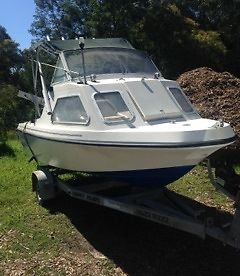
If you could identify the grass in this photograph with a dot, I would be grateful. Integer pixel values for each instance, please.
(196, 185)
(25, 228)
(77, 238)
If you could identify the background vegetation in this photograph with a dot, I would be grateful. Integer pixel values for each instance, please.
(180, 35)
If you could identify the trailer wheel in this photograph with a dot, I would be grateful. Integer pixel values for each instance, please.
(44, 187)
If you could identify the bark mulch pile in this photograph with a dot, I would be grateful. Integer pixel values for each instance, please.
(215, 95)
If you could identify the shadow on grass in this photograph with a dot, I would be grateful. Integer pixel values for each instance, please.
(6, 150)
(142, 247)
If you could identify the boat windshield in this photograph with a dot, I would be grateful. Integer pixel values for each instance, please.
(110, 61)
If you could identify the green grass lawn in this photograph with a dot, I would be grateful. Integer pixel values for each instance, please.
(71, 240)
(26, 230)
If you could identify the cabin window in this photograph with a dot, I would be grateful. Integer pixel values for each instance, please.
(112, 107)
(110, 61)
(181, 99)
(59, 73)
(70, 110)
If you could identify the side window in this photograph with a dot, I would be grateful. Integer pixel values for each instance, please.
(70, 110)
(59, 74)
(181, 99)
(112, 107)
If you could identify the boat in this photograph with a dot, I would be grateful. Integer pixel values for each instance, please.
(109, 111)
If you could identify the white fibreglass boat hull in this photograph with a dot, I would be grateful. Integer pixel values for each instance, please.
(103, 158)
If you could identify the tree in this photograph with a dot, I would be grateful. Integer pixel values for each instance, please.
(59, 18)
(223, 17)
(10, 57)
(167, 29)
(8, 105)
(159, 27)
(10, 67)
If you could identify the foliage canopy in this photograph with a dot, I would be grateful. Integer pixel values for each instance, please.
(180, 35)
(11, 78)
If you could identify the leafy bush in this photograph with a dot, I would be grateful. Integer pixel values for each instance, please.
(8, 109)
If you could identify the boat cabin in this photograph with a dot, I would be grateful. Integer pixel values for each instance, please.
(108, 81)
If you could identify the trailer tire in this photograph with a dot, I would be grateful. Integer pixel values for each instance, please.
(44, 186)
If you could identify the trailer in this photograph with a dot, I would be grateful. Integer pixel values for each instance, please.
(159, 205)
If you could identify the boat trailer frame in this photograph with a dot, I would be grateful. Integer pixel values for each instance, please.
(159, 205)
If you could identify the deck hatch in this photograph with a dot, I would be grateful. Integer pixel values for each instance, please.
(112, 106)
(152, 100)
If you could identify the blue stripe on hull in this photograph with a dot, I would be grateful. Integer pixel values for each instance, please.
(149, 178)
